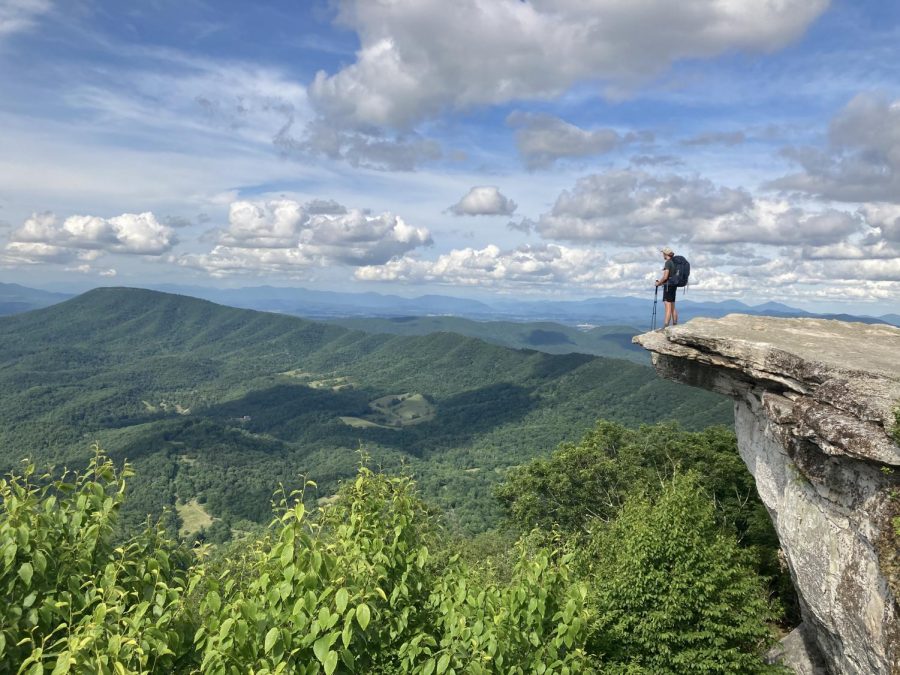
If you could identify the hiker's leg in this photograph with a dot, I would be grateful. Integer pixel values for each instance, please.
(674, 314)
(668, 312)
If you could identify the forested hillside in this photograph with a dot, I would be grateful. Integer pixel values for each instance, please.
(215, 406)
(545, 336)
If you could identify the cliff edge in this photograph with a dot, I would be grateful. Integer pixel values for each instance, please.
(814, 408)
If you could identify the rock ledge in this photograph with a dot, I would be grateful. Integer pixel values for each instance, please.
(814, 403)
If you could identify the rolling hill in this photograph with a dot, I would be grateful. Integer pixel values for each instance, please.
(216, 406)
(553, 338)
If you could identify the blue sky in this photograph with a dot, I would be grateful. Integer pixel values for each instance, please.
(482, 147)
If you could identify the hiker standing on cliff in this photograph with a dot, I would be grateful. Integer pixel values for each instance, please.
(668, 287)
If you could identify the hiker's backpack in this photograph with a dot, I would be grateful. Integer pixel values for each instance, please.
(682, 271)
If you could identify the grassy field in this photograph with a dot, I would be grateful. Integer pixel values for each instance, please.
(395, 411)
(193, 517)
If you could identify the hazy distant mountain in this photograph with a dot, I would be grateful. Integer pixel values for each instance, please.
(15, 299)
(604, 311)
(324, 304)
(891, 318)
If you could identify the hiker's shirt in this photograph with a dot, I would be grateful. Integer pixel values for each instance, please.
(670, 267)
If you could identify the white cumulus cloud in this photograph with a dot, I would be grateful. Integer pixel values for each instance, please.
(629, 206)
(285, 236)
(44, 237)
(484, 200)
(491, 266)
(418, 58)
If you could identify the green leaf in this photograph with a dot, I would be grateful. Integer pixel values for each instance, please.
(330, 662)
(213, 601)
(63, 663)
(26, 571)
(320, 648)
(347, 634)
(287, 554)
(363, 614)
(443, 663)
(341, 599)
(271, 639)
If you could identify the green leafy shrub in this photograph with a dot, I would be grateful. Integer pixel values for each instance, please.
(72, 597)
(673, 592)
(349, 587)
(356, 589)
(589, 480)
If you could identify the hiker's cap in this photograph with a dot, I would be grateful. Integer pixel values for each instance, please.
(666, 251)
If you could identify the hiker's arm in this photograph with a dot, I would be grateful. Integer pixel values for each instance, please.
(664, 278)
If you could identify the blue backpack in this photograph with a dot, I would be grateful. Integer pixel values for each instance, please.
(682, 271)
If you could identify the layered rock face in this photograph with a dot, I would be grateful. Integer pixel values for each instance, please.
(814, 409)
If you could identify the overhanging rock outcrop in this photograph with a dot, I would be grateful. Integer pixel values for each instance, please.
(814, 409)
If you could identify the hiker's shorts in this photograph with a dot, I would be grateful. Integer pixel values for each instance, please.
(669, 293)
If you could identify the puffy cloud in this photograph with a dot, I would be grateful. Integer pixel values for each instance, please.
(839, 273)
(862, 161)
(287, 237)
(359, 239)
(778, 223)
(20, 15)
(846, 250)
(635, 207)
(885, 217)
(225, 261)
(43, 238)
(273, 224)
(484, 200)
(722, 271)
(420, 57)
(544, 265)
(869, 270)
(33, 253)
(544, 139)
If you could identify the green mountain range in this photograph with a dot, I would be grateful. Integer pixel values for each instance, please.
(545, 336)
(216, 406)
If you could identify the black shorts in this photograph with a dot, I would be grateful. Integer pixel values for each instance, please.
(669, 293)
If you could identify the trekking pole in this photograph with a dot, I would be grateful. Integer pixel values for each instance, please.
(653, 320)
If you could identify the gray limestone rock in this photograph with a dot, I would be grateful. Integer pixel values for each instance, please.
(814, 402)
(798, 652)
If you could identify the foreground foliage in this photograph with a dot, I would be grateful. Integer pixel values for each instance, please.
(591, 480)
(368, 584)
(673, 591)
